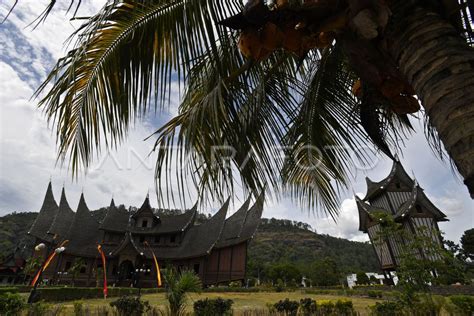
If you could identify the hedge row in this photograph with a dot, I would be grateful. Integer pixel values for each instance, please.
(78, 293)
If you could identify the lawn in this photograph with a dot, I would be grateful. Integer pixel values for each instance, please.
(242, 301)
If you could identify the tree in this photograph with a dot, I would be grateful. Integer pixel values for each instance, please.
(286, 272)
(177, 285)
(291, 91)
(362, 279)
(325, 272)
(32, 266)
(467, 242)
(75, 269)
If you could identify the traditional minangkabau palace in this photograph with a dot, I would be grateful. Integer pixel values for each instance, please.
(215, 249)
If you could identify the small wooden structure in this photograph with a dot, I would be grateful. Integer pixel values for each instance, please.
(401, 197)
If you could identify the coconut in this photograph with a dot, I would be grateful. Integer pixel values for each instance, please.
(392, 87)
(402, 104)
(357, 88)
(249, 44)
(271, 37)
(293, 40)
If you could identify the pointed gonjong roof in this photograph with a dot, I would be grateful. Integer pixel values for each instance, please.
(116, 219)
(418, 197)
(45, 217)
(84, 233)
(397, 174)
(63, 219)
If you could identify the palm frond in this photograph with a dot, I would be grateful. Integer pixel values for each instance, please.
(124, 59)
(229, 122)
(324, 134)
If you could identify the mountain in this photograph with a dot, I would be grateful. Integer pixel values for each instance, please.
(276, 241)
(285, 241)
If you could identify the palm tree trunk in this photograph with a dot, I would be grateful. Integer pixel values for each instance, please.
(439, 64)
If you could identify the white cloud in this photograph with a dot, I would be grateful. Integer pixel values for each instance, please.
(28, 151)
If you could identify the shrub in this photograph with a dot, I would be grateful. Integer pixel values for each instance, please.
(78, 308)
(375, 294)
(386, 308)
(308, 306)
(326, 308)
(464, 304)
(234, 284)
(279, 286)
(344, 308)
(4, 290)
(39, 309)
(130, 306)
(286, 306)
(211, 307)
(11, 304)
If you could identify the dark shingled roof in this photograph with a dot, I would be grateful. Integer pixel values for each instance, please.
(116, 219)
(253, 218)
(164, 224)
(84, 233)
(63, 219)
(364, 213)
(233, 226)
(418, 197)
(45, 217)
(198, 241)
(397, 173)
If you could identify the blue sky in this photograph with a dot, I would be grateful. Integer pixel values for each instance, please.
(28, 150)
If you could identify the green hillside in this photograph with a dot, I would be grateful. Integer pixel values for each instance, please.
(280, 242)
(276, 242)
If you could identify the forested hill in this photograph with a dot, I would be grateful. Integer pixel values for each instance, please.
(276, 241)
(284, 241)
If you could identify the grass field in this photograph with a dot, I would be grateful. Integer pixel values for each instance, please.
(242, 301)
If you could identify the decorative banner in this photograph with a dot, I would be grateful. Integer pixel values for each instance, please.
(157, 267)
(46, 263)
(99, 248)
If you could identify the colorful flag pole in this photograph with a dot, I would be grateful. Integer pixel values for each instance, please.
(157, 267)
(46, 263)
(99, 248)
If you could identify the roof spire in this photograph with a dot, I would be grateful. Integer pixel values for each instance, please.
(82, 206)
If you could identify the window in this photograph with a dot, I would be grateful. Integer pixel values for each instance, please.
(142, 239)
(67, 266)
(157, 239)
(144, 223)
(398, 185)
(173, 238)
(83, 269)
(196, 268)
(418, 209)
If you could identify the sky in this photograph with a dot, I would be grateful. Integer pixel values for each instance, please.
(28, 148)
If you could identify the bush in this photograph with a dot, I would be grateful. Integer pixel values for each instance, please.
(4, 290)
(464, 304)
(130, 306)
(279, 286)
(78, 308)
(211, 307)
(11, 304)
(39, 309)
(326, 308)
(308, 306)
(386, 308)
(286, 306)
(375, 294)
(59, 294)
(344, 308)
(234, 284)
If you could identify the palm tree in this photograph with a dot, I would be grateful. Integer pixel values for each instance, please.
(177, 286)
(75, 269)
(286, 106)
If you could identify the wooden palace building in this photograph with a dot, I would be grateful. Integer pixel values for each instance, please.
(216, 249)
(403, 199)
